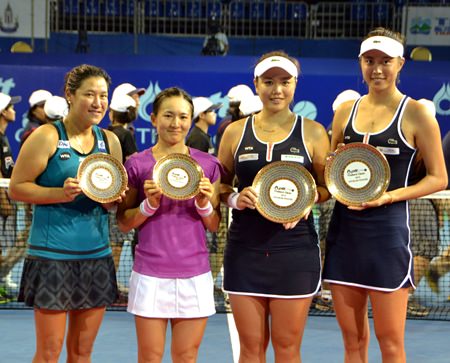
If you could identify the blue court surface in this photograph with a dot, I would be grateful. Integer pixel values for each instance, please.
(427, 341)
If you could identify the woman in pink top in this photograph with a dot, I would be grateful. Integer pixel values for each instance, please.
(171, 278)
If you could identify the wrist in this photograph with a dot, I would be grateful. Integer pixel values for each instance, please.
(232, 200)
(204, 211)
(146, 209)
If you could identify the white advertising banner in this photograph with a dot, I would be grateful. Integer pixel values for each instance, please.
(427, 25)
(23, 18)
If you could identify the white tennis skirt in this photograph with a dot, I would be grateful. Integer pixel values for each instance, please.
(154, 297)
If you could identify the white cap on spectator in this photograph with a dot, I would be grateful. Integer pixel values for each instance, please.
(250, 105)
(239, 92)
(128, 89)
(56, 107)
(6, 100)
(345, 96)
(429, 105)
(203, 104)
(121, 102)
(39, 97)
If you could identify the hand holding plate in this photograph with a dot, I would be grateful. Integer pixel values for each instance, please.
(153, 193)
(71, 188)
(385, 199)
(206, 191)
(248, 198)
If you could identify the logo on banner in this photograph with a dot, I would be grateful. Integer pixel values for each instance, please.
(306, 109)
(442, 100)
(420, 25)
(8, 24)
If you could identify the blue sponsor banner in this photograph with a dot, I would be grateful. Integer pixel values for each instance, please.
(319, 83)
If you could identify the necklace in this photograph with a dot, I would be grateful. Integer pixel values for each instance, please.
(79, 144)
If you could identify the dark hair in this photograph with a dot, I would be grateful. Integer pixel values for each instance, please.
(280, 53)
(168, 93)
(75, 77)
(385, 32)
(234, 111)
(125, 117)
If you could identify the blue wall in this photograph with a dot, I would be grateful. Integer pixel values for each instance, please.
(320, 82)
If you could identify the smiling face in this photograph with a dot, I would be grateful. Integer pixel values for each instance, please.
(379, 70)
(90, 101)
(276, 88)
(172, 120)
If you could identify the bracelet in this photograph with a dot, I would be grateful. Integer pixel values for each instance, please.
(232, 200)
(146, 209)
(205, 211)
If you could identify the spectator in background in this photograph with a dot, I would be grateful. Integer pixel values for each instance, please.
(136, 93)
(235, 95)
(250, 106)
(122, 113)
(36, 115)
(440, 265)
(68, 275)
(8, 259)
(204, 116)
(56, 108)
(216, 42)
(424, 227)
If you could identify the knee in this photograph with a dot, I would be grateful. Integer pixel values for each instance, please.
(52, 349)
(253, 346)
(81, 349)
(355, 341)
(391, 344)
(188, 355)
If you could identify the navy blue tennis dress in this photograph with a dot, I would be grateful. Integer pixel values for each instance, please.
(261, 257)
(371, 248)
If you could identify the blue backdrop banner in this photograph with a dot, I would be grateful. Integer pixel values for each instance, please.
(319, 83)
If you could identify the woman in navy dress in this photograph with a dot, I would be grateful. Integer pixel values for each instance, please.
(271, 270)
(368, 253)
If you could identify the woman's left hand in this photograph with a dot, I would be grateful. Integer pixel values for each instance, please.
(385, 199)
(206, 192)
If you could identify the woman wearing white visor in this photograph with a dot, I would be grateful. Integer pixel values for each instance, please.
(271, 270)
(368, 253)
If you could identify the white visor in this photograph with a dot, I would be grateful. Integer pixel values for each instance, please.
(387, 45)
(276, 62)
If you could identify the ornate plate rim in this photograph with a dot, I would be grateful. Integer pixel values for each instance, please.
(92, 158)
(329, 164)
(178, 156)
(303, 171)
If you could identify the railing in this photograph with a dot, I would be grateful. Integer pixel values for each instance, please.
(239, 18)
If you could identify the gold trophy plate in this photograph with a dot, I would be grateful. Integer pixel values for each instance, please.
(178, 175)
(286, 191)
(102, 177)
(357, 173)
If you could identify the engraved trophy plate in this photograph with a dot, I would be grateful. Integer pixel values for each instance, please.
(178, 175)
(286, 191)
(358, 173)
(102, 177)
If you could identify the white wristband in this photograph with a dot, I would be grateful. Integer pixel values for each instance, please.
(146, 209)
(232, 200)
(205, 211)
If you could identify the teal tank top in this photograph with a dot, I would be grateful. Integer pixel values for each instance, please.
(75, 230)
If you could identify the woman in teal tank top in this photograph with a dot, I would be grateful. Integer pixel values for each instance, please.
(68, 272)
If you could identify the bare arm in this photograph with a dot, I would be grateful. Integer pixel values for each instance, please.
(228, 145)
(318, 146)
(31, 162)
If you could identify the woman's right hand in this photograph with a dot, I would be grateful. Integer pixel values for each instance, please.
(247, 198)
(153, 193)
(71, 189)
